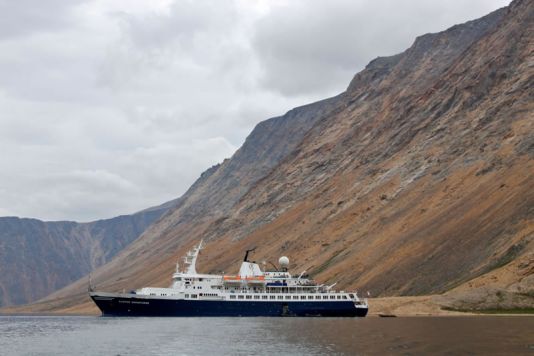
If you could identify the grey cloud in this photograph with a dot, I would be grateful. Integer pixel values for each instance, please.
(51, 67)
(184, 22)
(23, 17)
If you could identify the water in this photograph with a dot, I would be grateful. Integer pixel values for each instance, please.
(487, 335)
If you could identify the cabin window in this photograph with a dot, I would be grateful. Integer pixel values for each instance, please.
(272, 297)
(351, 296)
(317, 297)
(263, 297)
(344, 297)
(325, 297)
(193, 295)
(249, 297)
(178, 278)
(295, 297)
(256, 297)
(338, 297)
(332, 297)
(310, 297)
(232, 297)
(187, 295)
(288, 297)
(302, 297)
(240, 297)
(280, 297)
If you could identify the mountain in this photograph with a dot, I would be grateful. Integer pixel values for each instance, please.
(38, 257)
(417, 180)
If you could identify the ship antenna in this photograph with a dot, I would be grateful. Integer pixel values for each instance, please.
(89, 286)
(246, 254)
(272, 264)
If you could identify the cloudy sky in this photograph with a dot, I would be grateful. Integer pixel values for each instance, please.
(111, 106)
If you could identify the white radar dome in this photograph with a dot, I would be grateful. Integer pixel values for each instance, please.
(283, 261)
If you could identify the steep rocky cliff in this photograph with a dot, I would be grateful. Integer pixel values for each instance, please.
(416, 180)
(38, 257)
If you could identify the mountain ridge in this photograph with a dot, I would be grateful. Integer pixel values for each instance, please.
(39, 257)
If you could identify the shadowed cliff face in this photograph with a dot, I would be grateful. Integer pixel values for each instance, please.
(415, 180)
(38, 258)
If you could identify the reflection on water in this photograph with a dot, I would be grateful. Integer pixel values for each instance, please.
(24, 335)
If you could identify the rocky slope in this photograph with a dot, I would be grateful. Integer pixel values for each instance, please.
(416, 180)
(38, 257)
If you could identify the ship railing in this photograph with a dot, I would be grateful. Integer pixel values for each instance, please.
(281, 290)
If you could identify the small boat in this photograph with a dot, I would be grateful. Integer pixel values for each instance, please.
(385, 315)
(252, 292)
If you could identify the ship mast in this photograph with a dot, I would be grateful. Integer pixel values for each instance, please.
(190, 259)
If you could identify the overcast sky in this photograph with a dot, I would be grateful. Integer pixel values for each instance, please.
(111, 106)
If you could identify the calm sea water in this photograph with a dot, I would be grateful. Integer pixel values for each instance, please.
(485, 335)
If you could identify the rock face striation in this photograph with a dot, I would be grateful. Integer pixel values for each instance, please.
(416, 180)
(38, 257)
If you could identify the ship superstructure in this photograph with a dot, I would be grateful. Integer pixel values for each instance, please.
(251, 292)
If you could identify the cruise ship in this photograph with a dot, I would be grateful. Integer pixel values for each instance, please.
(252, 292)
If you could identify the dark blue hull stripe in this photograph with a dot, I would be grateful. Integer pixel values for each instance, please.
(122, 306)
